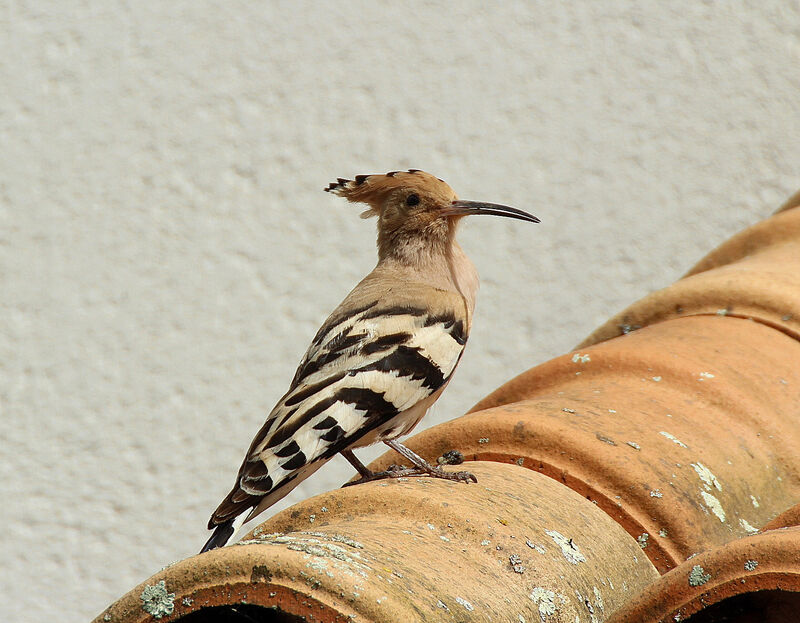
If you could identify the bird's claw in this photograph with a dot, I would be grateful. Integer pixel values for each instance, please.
(463, 476)
(455, 476)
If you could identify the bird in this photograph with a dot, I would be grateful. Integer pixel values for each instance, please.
(382, 357)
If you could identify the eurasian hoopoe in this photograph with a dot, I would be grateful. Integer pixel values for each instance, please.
(383, 356)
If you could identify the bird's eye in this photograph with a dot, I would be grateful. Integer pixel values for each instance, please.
(412, 199)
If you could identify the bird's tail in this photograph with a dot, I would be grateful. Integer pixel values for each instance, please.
(223, 533)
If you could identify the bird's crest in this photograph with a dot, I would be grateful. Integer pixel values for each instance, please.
(373, 189)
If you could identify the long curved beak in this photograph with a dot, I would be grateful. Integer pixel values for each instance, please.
(465, 208)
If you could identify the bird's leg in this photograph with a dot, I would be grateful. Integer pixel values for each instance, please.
(360, 467)
(367, 475)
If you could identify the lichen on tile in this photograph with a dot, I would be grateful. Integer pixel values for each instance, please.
(673, 439)
(708, 478)
(598, 598)
(568, 548)
(545, 599)
(713, 505)
(535, 546)
(156, 601)
(698, 576)
(516, 563)
(465, 604)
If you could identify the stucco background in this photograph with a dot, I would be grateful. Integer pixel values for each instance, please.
(167, 252)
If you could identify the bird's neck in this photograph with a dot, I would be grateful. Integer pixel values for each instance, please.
(437, 261)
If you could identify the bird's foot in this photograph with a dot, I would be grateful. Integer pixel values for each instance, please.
(437, 472)
(421, 467)
(397, 471)
(430, 471)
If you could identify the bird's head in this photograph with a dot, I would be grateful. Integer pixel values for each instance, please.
(414, 203)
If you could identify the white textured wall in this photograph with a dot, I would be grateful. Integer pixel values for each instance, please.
(167, 252)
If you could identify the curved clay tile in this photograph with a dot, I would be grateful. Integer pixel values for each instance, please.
(674, 440)
(516, 546)
(753, 579)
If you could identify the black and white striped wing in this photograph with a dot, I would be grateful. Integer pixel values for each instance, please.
(360, 372)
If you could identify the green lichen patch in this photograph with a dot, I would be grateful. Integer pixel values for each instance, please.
(156, 601)
(698, 576)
